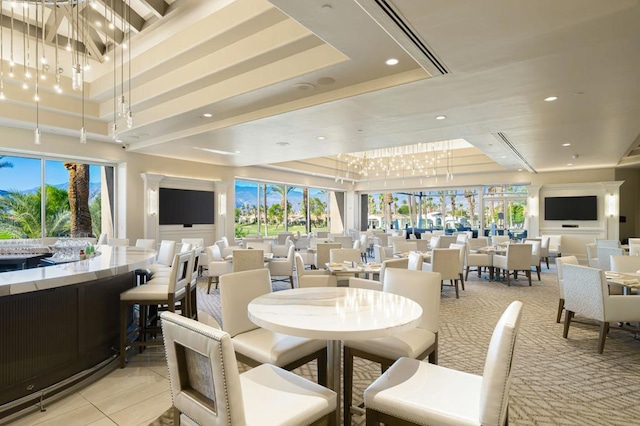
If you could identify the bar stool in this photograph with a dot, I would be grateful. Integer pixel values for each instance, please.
(158, 291)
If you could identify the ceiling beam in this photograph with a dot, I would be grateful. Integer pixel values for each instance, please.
(94, 44)
(52, 26)
(158, 7)
(125, 13)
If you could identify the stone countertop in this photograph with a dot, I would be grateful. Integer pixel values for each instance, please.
(112, 261)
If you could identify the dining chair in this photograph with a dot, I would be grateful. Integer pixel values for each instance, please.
(404, 246)
(381, 253)
(118, 242)
(415, 261)
(535, 253)
(344, 255)
(217, 266)
(164, 257)
(447, 263)
(413, 392)
(323, 251)
(364, 247)
(544, 249)
(283, 267)
(195, 242)
(462, 250)
(146, 244)
(247, 259)
(282, 237)
(282, 250)
(560, 262)
(634, 249)
(207, 388)
(592, 255)
(517, 258)
(265, 246)
(157, 291)
(102, 239)
(255, 345)
(586, 293)
(344, 241)
(604, 256)
(623, 263)
(555, 245)
(420, 342)
(478, 260)
(376, 284)
(312, 278)
(607, 243)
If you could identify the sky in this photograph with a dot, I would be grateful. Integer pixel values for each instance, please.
(25, 173)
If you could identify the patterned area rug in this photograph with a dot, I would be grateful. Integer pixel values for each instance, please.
(556, 381)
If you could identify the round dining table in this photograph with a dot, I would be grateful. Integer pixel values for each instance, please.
(335, 314)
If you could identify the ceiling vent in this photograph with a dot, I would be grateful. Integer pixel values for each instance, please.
(502, 138)
(391, 20)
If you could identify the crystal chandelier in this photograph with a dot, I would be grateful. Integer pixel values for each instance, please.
(73, 32)
(419, 160)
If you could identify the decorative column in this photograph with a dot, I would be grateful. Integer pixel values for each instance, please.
(150, 204)
(612, 209)
(532, 219)
(225, 226)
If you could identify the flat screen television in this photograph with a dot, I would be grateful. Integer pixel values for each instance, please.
(185, 207)
(571, 208)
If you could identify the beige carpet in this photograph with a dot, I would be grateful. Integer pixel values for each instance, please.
(556, 381)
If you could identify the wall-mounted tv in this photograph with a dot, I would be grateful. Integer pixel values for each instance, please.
(185, 207)
(571, 208)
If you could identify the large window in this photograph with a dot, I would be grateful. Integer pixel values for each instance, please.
(70, 192)
(267, 209)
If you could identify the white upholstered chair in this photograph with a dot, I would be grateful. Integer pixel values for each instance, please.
(560, 262)
(607, 243)
(478, 260)
(207, 388)
(344, 255)
(323, 251)
(217, 266)
(447, 263)
(114, 242)
(265, 246)
(158, 291)
(381, 253)
(592, 255)
(344, 241)
(634, 249)
(544, 249)
(282, 250)
(195, 242)
(499, 239)
(462, 250)
(284, 267)
(536, 257)
(604, 256)
(413, 392)
(586, 293)
(164, 257)
(420, 342)
(517, 258)
(247, 259)
(404, 246)
(102, 239)
(372, 284)
(622, 263)
(364, 247)
(146, 244)
(415, 261)
(255, 345)
(313, 278)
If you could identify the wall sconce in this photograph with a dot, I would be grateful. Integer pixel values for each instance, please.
(222, 209)
(612, 207)
(152, 202)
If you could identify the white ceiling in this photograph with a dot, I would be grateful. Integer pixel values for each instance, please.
(291, 71)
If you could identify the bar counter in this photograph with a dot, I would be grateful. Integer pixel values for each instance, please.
(59, 323)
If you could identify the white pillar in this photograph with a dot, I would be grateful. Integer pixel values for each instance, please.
(151, 196)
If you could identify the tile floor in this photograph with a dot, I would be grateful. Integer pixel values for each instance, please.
(135, 395)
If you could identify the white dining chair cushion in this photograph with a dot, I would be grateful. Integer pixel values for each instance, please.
(408, 344)
(299, 401)
(149, 292)
(266, 346)
(428, 394)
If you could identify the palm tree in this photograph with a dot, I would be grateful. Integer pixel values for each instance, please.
(79, 199)
(20, 217)
(5, 164)
(280, 190)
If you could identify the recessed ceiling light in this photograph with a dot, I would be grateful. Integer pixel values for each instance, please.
(392, 61)
(215, 151)
(566, 144)
(441, 117)
(321, 138)
(504, 156)
(207, 115)
(550, 98)
(519, 170)
(569, 164)
(283, 143)
(237, 152)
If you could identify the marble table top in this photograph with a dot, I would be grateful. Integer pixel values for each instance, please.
(335, 313)
(111, 262)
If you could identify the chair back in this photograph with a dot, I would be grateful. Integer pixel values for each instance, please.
(634, 249)
(434, 242)
(102, 239)
(214, 254)
(461, 238)
(592, 255)
(195, 242)
(519, 256)
(224, 241)
(203, 371)
(425, 235)
(184, 247)
(146, 244)
(414, 261)
(364, 243)
(265, 246)
(422, 245)
(463, 252)
(560, 262)
(496, 378)
(421, 287)
(166, 252)
(118, 242)
(237, 290)
(282, 237)
(181, 271)
(634, 241)
(382, 239)
(446, 240)
(584, 290)
(344, 255)
(356, 245)
(247, 259)
(446, 262)
(535, 250)
(379, 255)
(544, 246)
(345, 242)
(404, 246)
(391, 264)
(323, 253)
(322, 234)
(497, 239)
(604, 256)
(478, 242)
(299, 261)
(607, 243)
(625, 263)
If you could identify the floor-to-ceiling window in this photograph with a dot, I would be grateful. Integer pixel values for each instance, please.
(52, 198)
(504, 209)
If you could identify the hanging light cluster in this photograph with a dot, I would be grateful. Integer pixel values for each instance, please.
(423, 159)
(29, 20)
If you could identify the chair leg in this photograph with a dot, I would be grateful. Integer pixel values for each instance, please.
(347, 384)
(567, 322)
(462, 280)
(123, 332)
(291, 280)
(560, 308)
(322, 368)
(373, 418)
(467, 274)
(508, 274)
(546, 259)
(604, 329)
(209, 279)
(529, 276)
(538, 271)
(455, 283)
